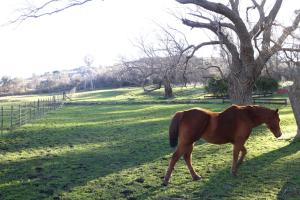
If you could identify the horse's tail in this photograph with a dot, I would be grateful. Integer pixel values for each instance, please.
(174, 128)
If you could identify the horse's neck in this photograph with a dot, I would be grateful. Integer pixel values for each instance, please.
(259, 115)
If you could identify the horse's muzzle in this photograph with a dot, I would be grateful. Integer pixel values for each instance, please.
(278, 134)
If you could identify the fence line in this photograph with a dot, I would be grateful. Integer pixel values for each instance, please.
(16, 115)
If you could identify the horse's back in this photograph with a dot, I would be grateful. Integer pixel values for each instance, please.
(214, 127)
(234, 123)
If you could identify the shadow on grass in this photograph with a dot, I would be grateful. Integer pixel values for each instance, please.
(76, 125)
(47, 158)
(128, 142)
(73, 125)
(48, 175)
(260, 177)
(256, 176)
(291, 188)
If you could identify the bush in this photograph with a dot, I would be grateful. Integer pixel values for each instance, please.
(217, 86)
(266, 84)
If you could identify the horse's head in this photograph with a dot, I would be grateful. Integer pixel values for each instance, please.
(273, 123)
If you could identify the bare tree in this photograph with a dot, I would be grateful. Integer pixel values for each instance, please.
(45, 7)
(142, 72)
(160, 61)
(250, 45)
(291, 58)
(5, 84)
(90, 74)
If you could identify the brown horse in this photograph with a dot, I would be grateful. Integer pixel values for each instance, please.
(233, 125)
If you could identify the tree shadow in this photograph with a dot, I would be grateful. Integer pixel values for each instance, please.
(255, 176)
(48, 158)
(291, 187)
(71, 126)
(50, 174)
(74, 125)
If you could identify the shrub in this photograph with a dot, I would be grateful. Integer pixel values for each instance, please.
(266, 84)
(217, 86)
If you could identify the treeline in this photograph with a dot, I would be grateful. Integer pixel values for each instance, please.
(57, 81)
(148, 73)
(145, 72)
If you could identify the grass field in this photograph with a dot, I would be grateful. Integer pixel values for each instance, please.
(122, 151)
(8, 100)
(137, 94)
(134, 94)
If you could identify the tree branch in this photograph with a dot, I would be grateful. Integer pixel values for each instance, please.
(195, 48)
(258, 27)
(235, 6)
(267, 26)
(216, 67)
(40, 11)
(225, 11)
(285, 33)
(215, 29)
(290, 49)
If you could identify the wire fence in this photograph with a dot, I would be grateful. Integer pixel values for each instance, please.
(16, 115)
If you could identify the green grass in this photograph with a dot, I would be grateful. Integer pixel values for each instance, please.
(24, 107)
(122, 152)
(137, 94)
(9, 100)
(134, 94)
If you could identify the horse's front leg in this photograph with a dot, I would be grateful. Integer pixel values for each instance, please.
(236, 150)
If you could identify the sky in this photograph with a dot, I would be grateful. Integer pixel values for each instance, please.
(104, 30)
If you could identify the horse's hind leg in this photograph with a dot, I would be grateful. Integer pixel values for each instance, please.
(176, 155)
(235, 161)
(188, 160)
(236, 152)
(244, 152)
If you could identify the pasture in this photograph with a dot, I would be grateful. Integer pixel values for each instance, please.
(133, 94)
(122, 152)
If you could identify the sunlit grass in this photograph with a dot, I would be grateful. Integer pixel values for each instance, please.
(16, 99)
(137, 94)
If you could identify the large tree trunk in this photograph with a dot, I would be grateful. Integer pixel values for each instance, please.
(294, 95)
(240, 89)
(168, 87)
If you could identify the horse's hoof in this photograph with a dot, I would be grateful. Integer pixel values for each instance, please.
(239, 163)
(234, 174)
(197, 177)
(165, 183)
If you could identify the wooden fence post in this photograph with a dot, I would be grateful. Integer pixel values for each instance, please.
(34, 109)
(20, 116)
(30, 114)
(24, 113)
(43, 107)
(38, 108)
(2, 115)
(11, 116)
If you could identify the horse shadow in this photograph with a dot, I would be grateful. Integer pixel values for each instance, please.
(257, 173)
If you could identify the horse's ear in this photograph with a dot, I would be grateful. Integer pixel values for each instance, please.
(276, 110)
